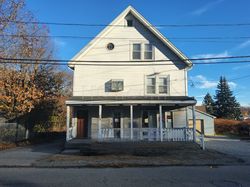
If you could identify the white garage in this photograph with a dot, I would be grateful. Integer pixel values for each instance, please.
(204, 121)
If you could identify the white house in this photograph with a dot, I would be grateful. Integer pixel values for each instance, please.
(130, 83)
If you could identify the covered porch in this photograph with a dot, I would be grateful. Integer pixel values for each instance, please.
(146, 118)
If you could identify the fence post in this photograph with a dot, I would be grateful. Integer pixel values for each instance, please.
(16, 135)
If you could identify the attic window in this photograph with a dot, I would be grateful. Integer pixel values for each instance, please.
(130, 23)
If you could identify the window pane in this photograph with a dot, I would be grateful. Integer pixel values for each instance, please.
(148, 47)
(150, 89)
(151, 85)
(163, 81)
(136, 47)
(148, 55)
(151, 81)
(136, 55)
(163, 85)
(163, 89)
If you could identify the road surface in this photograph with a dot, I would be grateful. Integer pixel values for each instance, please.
(159, 176)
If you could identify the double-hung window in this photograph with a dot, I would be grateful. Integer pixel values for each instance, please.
(142, 51)
(148, 51)
(136, 51)
(157, 84)
(163, 85)
(151, 85)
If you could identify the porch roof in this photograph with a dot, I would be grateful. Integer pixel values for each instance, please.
(177, 101)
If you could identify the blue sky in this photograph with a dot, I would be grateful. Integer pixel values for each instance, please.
(204, 77)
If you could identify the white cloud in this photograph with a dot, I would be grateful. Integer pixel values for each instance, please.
(202, 82)
(240, 67)
(212, 55)
(205, 8)
(242, 45)
(59, 43)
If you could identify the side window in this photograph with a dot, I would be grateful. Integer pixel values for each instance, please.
(148, 51)
(151, 83)
(163, 85)
(136, 51)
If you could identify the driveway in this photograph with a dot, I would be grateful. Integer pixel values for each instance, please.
(234, 147)
(26, 156)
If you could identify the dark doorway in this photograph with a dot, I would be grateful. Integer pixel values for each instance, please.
(117, 124)
(82, 124)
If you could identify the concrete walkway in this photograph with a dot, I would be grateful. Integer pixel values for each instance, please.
(234, 147)
(26, 156)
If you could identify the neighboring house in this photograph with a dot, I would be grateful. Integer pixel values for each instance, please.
(130, 84)
(204, 121)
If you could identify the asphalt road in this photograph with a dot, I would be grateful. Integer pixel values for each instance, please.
(162, 176)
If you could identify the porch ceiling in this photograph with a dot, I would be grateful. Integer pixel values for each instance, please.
(172, 101)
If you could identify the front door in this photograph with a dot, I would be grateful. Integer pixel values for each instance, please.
(82, 124)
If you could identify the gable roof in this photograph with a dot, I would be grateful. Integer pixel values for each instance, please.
(202, 112)
(142, 20)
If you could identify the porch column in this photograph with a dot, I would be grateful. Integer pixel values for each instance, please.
(161, 130)
(100, 122)
(194, 124)
(131, 122)
(67, 122)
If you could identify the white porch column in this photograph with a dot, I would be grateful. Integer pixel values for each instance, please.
(100, 122)
(68, 122)
(131, 122)
(194, 124)
(161, 130)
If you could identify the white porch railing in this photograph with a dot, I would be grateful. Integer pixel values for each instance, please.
(200, 139)
(150, 134)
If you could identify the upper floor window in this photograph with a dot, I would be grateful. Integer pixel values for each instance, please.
(163, 85)
(148, 51)
(136, 51)
(151, 85)
(130, 23)
(142, 51)
(157, 84)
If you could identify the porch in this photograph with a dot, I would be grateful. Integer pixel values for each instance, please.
(130, 118)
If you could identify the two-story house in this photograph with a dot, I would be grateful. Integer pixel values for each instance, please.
(130, 83)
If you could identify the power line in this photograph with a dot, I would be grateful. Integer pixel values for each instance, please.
(160, 60)
(109, 25)
(57, 62)
(120, 38)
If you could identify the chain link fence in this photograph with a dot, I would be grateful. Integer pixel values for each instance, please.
(12, 132)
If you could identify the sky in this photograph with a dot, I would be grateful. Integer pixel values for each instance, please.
(202, 78)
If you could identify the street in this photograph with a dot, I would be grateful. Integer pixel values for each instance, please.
(161, 176)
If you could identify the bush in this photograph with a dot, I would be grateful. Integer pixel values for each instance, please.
(233, 127)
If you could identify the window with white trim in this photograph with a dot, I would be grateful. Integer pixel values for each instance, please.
(151, 84)
(142, 51)
(148, 51)
(136, 51)
(163, 85)
(157, 84)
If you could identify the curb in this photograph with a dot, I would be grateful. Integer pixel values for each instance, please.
(122, 166)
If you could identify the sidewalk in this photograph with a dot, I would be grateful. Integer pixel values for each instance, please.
(26, 156)
(125, 155)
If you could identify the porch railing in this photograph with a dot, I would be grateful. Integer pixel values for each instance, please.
(150, 134)
(200, 139)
